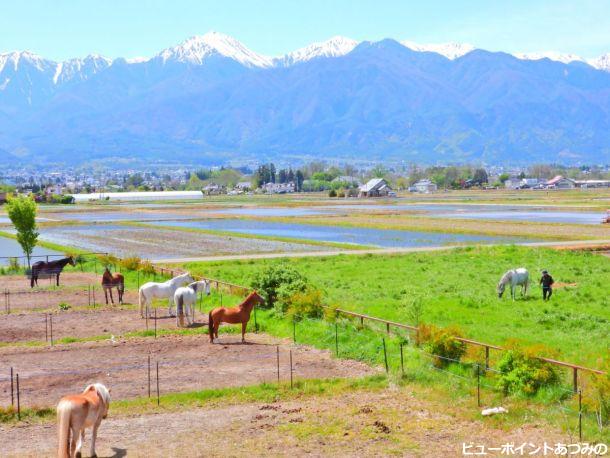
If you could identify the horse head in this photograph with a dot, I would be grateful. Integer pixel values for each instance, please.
(186, 277)
(72, 261)
(500, 289)
(254, 296)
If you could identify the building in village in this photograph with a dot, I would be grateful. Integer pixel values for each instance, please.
(560, 182)
(278, 188)
(376, 187)
(425, 186)
(214, 189)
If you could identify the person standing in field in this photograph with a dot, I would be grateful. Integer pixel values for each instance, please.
(546, 281)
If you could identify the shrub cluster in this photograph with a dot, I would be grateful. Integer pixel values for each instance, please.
(521, 372)
(131, 263)
(598, 399)
(305, 304)
(278, 284)
(442, 343)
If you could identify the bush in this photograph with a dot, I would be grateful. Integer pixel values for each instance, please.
(13, 265)
(131, 263)
(598, 397)
(147, 268)
(108, 260)
(442, 343)
(305, 304)
(277, 283)
(332, 193)
(521, 371)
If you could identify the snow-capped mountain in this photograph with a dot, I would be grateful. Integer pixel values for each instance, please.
(334, 47)
(449, 50)
(601, 63)
(211, 96)
(17, 58)
(197, 49)
(556, 56)
(80, 69)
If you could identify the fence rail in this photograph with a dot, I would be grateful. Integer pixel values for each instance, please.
(389, 324)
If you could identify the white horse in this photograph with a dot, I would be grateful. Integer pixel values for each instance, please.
(77, 412)
(514, 277)
(148, 291)
(185, 297)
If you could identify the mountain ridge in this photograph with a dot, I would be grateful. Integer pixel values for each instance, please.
(213, 98)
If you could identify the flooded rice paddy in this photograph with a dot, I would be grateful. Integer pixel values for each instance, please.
(350, 235)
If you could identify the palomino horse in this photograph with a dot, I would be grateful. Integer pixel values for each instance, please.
(185, 297)
(239, 314)
(514, 277)
(49, 268)
(110, 281)
(148, 291)
(77, 412)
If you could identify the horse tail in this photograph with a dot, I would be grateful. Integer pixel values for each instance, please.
(211, 326)
(63, 428)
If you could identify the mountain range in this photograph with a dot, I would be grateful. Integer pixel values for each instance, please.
(211, 99)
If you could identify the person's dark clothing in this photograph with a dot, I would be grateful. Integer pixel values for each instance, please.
(547, 286)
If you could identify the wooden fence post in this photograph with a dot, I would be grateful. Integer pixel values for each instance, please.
(385, 356)
(158, 397)
(575, 379)
(12, 389)
(277, 348)
(18, 400)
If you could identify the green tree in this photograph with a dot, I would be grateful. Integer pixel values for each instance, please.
(22, 212)
(480, 176)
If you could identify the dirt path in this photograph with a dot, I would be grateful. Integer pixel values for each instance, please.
(572, 244)
(382, 423)
(186, 363)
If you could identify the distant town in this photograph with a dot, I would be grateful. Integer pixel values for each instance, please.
(65, 185)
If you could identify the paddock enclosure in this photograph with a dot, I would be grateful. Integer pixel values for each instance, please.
(186, 363)
(56, 351)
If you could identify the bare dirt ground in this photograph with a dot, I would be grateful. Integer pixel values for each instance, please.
(115, 320)
(392, 422)
(186, 363)
(77, 289)
(22, 283)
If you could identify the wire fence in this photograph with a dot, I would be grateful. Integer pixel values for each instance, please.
(478, 375)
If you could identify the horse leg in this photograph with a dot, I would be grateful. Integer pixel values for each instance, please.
(93, 437)
(79, 444)
(105, 295)
(111, 297)
(74, 440)
(243, 331)
(57, 280)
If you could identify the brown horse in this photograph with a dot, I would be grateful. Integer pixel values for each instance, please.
(110, 281)
(239, 314)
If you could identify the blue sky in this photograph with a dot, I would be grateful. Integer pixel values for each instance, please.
(61, 29)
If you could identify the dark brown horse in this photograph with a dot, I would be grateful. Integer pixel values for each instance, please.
(49, 268)
(110, 281)
(234, 315)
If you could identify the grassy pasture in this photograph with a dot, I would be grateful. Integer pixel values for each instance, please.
(458, 288)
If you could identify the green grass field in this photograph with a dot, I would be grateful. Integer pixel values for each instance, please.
(458, 288)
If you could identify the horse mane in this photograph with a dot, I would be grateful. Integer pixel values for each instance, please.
(102, 391)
